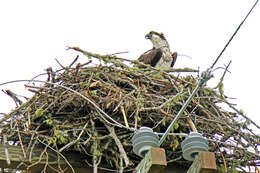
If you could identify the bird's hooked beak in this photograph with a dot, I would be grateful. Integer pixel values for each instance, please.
(148, 36)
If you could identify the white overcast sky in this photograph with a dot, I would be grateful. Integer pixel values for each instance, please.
(33, 33)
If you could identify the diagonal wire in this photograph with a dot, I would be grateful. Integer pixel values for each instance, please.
(231, 38)
(204, 77)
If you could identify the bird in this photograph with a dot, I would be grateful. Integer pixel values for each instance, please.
(160, 55)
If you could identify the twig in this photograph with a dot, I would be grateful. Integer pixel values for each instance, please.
(77, 57)
(239, 112)
(191, 124)
(89, 54)
(31, 151)
(39, 160)
(124, 115)
(84, 64)
(119, 53)
(174, 160)
(13, 96)
(60, 64)
(125, 96)
(223, 75)
(223, 158)
(166, 114)
(96, 158)
(121, 165)
(59, 165)
(21, 143)
(59, 154)
(136, 117)
(36, 87)
(162, 105)
(119, 144)
(206, 112)
(6, 117)
(51, 74)
(74, 141)
(6, 150)
(178, 70)
(46, 163)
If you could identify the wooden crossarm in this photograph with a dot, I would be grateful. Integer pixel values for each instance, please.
(205, 162)
(154, 161)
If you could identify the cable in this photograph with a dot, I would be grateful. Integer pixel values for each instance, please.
(231, 38)
(200, 83)
(204, 77)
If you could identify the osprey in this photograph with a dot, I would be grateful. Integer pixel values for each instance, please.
(160, 55)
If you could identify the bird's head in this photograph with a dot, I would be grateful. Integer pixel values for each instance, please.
(157, 39)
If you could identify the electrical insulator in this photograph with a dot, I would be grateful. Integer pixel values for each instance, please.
(192, 145)
(143, 140)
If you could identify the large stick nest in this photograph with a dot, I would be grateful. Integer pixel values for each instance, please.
(94, 109)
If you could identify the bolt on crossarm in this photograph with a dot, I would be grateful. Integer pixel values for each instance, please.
(205, 76)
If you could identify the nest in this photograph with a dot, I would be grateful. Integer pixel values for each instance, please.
(94, 109)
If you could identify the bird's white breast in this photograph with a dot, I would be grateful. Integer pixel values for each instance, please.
(162, 64)
(166, 59)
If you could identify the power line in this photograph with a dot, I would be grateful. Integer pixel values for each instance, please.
(204, 77)
(231, 38)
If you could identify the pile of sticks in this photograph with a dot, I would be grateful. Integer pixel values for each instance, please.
(94, 110)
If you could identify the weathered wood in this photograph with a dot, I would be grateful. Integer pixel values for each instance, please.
(18, 161)
(154, 161)
(205, 162)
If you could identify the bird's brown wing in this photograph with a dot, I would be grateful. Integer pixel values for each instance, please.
(174, 58)
(151, 57)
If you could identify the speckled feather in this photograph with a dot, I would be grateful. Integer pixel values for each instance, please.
(160, 56)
